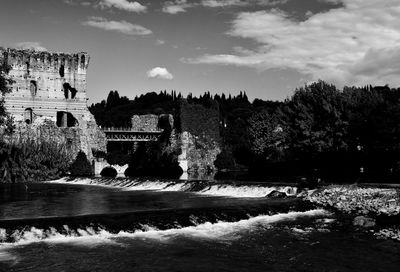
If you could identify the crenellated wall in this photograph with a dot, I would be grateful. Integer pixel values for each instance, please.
(49, 70)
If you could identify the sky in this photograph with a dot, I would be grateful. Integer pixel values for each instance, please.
(266, 48)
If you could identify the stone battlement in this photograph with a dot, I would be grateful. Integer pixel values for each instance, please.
(53, 75)
(45, 61)
(45, 83)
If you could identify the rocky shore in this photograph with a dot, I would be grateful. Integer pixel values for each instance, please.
(366, 204)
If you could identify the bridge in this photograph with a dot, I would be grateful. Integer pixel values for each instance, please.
(129, 135)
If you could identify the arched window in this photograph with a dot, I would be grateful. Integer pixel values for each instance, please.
(83, 60)
(28, 116)
(33, 88)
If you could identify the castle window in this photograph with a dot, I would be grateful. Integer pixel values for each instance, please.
(27, 67)
(66, 88)
(33, 87)
(61, 71)
(83, 60)
(66, 119)
(28, 116)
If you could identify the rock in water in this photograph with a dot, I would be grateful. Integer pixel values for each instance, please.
(363, 221)
(277, 194)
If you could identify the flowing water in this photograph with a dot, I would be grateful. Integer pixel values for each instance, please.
(165, 225)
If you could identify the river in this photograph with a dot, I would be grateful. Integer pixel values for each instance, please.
(166, 225)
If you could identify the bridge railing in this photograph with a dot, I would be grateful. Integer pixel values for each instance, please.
(127, 129)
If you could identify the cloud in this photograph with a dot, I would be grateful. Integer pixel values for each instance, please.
(160, 42)
(31, 46)
(227, 3)
(219, 3)
(179, 6)
(123, 5)
(354, 44)
(119, 26)
(75, 3)
(159, 72)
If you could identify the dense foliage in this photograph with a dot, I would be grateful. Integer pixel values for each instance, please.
(117, 111)
(31, 161)
(81, 167)
(320, 130)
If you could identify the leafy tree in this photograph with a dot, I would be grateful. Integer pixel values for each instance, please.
(315, 119)
(268, 134)
(81, 167)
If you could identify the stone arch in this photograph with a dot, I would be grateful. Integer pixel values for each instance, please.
(28, 116)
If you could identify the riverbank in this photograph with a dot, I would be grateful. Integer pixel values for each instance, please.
(368, 205)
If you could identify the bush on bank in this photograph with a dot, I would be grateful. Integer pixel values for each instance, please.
(32, 161)
(81, 167)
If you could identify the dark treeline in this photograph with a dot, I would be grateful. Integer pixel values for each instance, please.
(117, 111)
(320, 131)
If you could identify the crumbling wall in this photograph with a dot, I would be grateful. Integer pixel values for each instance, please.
(38, 96)
(43, 75)
(199, 139)
(148, 122)
(87, 138)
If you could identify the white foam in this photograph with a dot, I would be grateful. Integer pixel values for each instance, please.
(246, 191)
(219, 230)
(227, 190)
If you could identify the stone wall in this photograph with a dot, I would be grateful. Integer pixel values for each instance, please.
(199, 140)
(74, 138)
(148, 122)
(99, 165)
(48, 70)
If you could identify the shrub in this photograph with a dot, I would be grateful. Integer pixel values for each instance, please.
(225, 160)
(99, 154)
(81, 167)
(30, 161)
(108, 172)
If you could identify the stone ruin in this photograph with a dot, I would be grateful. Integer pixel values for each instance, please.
(48, 98)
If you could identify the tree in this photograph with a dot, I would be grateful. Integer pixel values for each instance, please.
(81, 167)
(268, 135)
(315, 118)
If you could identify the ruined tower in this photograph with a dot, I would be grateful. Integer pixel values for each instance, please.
(52, 87)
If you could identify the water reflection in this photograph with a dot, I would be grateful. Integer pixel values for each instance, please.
(48, 200)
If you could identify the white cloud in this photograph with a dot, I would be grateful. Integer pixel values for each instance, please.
(357, 43)
(223, 3)
(227, 3)
(123, 5)
(159, 72)
(179, 6)
(160, 42)
(31, 46)
(119, 26)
